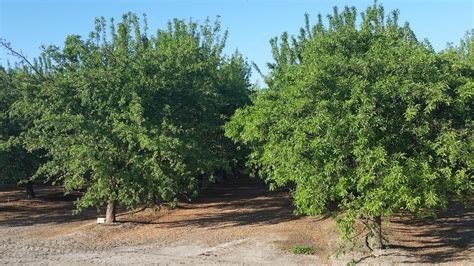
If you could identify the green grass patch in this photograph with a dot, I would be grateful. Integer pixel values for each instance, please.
(303, 249)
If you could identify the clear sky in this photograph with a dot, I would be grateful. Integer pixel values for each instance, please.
(28, 24)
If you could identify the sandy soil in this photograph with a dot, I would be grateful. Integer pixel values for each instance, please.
(230, 224)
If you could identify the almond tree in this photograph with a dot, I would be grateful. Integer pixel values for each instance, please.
(130, 117)
(365, 120)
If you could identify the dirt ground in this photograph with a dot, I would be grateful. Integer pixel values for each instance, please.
(229, 224)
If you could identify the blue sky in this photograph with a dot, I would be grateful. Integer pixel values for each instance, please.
(28, 24)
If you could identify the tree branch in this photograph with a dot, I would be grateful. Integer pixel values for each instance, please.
(6, 45)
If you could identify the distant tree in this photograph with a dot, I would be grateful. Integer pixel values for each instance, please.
(364, 120)
(134, 118)
(17, 165)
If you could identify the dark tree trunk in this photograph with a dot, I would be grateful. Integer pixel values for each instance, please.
(30, 193)
(377, 231)
(110, 213)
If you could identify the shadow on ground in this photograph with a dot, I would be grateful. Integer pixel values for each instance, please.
(219, 206)
(49, 206)
(236, 205)
(448, 238)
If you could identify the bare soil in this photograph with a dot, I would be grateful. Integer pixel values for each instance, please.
(229, 224)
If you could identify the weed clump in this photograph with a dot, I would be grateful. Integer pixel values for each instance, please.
(303, 249)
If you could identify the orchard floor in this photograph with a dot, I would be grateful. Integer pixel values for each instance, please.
(230, 224)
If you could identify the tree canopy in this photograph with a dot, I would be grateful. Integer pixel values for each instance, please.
(363, 120)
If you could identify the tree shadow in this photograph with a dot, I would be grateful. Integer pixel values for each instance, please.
(444, 239)
(49, 206)
(219, 206)
(230, 205)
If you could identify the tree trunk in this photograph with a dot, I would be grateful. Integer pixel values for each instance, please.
(110, 213)
(377, 231)
(30, 193)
